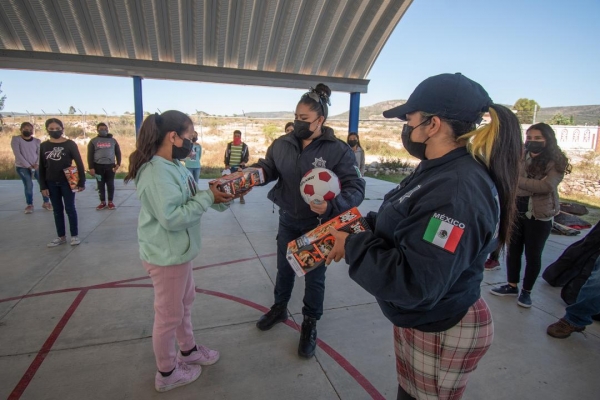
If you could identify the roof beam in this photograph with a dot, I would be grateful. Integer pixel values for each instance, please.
(95, 65)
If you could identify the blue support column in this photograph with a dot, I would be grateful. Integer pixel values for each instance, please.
(354, 112)
(137, 100)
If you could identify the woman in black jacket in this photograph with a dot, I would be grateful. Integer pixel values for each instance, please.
(310, 145)
(423, 260)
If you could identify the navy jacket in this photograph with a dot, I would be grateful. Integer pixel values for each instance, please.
(287, 162)
(423, 261)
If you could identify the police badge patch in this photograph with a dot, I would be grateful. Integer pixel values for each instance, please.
(319, 163)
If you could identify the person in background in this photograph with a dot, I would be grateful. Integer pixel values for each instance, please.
(169, 240)
(26, 149)
(543, 167)
(192, 162)
(354, 142)
(56, 154)
(288, 159)
(236, 156)
(289, 127)
(104, 159)
(493, 263)
(579, 314)
(423, 259)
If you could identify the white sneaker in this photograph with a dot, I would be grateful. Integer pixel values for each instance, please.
(202, 355)
(75, 241)
(57, 242)
(182, 375)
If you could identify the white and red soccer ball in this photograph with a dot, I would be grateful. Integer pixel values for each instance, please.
(319, 184)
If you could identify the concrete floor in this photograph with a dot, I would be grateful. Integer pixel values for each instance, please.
(76, 322)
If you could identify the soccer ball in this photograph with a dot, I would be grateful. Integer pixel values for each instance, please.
(319, 184)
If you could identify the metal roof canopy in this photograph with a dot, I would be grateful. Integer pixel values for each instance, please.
(281, 43)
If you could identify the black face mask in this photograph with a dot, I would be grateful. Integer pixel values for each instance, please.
(26, 133)
(103, 133)
(302, 129)
(55, 134)
(415, 149)
(179, 153)
(352, 143)
(535, 147)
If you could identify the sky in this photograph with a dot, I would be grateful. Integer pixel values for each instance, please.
(546, 50)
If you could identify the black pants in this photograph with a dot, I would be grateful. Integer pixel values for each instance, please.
(61, 192)
(107, 179)
(314, 292)
(531, 235)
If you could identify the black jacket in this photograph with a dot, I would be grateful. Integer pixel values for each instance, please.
(419, 284)
(287, 162)
(245, 154)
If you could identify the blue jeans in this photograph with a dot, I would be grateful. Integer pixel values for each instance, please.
(314, 292)
(588, 300)
(59, 192)
(195, 173)
(27, 178)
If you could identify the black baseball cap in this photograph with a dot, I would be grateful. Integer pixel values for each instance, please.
(453, 96)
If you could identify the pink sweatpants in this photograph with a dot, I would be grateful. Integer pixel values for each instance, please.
(174, 293)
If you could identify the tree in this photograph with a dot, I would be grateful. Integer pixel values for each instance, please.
(559, 119)
(72, 110)
(2, 98)
(525, 110)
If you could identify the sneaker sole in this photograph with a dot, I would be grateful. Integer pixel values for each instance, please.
(503, 294)
(176, 385)
(492, 269)
(524, 305)
(55, 245)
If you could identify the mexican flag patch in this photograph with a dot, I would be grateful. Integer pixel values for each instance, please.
(444, 232)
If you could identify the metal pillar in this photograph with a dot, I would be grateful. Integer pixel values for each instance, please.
(137, 100)
(354, 112)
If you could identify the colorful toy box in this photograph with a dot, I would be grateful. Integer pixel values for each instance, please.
(310, 250)
(72, 177)
(241, 181)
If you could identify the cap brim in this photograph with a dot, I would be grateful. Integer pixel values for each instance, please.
(399, 112)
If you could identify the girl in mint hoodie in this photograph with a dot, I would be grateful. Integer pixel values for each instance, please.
(169, 238)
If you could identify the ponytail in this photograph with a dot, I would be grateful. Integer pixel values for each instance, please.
(151, 136)
(499, 145)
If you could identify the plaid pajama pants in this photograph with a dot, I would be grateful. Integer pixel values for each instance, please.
(437, 365)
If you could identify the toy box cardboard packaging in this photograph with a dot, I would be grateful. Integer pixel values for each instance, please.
(310, 250)
(72, 177)
(240, 181)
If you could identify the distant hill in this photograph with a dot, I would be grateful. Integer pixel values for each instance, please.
(582, 114)
(272, 114)
(374, 111)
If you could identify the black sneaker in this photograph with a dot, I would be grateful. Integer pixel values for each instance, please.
(524, 299)
(505, 290)
(278, 313)
(308, 338)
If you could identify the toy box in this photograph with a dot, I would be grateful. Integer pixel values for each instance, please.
(72, 177)
(239, 182)
(310, 250)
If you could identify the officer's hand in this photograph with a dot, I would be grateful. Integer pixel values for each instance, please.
(318, 208)
(92, 172)
(337, 252)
